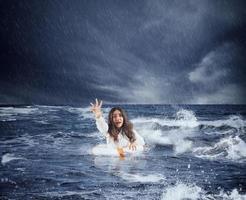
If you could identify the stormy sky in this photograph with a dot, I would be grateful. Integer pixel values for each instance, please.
(123, 51)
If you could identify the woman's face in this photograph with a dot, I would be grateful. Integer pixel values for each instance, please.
(118, 119)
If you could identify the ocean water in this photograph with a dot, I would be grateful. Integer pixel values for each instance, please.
(192, 152)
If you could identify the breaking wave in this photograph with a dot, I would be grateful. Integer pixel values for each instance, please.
(182, 191)
(233, 148)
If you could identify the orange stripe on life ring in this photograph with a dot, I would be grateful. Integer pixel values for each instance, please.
(121, 152)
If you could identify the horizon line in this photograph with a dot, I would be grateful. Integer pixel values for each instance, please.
(154, 104)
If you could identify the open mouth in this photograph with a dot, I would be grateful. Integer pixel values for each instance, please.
(118, 123)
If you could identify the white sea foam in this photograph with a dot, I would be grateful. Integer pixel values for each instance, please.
(42, 121)
(61, 194)
(8, 119)
(155, 137)
(234, 121)
(49, 107)
(176, 137)
(21, 169)
(181, 191)
(233, 148)
(151, 178)
(104, 150)
(108, 150)
(183, 119)
(10, 113)
(182, 146)
(234, 195)
(95, 134)
(7, 108)
(187, 119)
(24, 140)
(9, 157)
(4, 114)
(185, 122)
(86, 112)
(26, 110)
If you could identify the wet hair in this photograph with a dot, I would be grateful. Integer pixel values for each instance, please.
(127, 127)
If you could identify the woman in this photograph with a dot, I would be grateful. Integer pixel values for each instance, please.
(119, 131)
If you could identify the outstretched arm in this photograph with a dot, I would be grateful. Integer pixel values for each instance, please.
(102, 126)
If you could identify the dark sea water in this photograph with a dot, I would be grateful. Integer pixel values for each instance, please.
(192, 152)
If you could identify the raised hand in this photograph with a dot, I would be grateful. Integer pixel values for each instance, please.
(96, 108)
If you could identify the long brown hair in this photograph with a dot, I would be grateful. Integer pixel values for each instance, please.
(126, 127)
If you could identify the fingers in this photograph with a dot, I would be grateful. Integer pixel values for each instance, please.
(96, 102)
(133, 147)
(96, 106)
(100, 105)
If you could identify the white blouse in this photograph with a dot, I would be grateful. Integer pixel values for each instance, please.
(123, 140)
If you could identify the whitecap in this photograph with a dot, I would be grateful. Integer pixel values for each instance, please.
(42, 121)
(233, 121)
(23, 140)
(26, 110)
(8, 119)
(183, 119)
(176, 138)
(233, 195)
(9, 157)
(233, 148)
(84, 112)
(182, 191)
(11, 113)
(186, 118)
(77, 110)
(61, 194)
(151, 178)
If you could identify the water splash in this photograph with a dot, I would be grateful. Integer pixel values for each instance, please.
(233, 148)
(182, 191)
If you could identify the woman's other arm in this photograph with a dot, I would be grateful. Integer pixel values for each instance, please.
(138, 144)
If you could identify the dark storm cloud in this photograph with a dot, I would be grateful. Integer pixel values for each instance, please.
(219, 66)
(123, 51)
